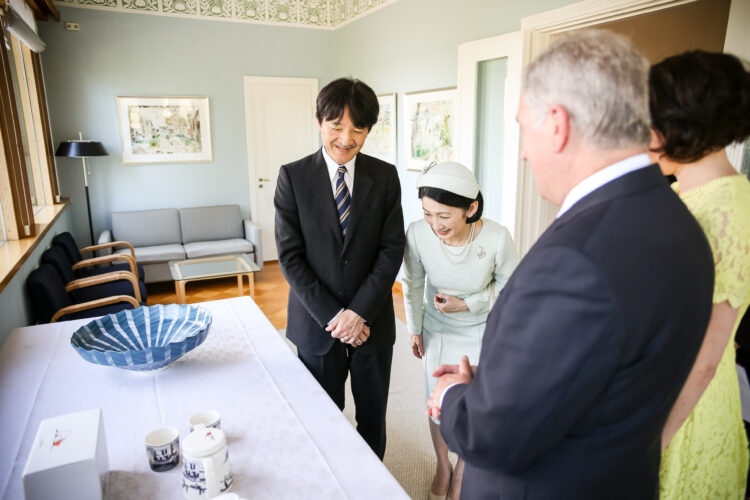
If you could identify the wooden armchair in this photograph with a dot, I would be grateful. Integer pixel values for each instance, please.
(118, 282)
(100, 279)
(52, 301)
(87, 267)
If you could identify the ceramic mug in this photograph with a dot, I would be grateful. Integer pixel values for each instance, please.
(207, 418)
(205, 463)
(163, 449)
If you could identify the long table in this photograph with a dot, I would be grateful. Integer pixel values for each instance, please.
(286, 438)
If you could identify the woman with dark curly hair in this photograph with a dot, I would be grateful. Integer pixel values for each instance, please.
(700, 103)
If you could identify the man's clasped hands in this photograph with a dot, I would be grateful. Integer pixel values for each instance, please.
(350, 328)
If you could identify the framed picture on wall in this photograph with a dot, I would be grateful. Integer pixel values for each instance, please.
(164, 129)
(430, 127)
(381, 141)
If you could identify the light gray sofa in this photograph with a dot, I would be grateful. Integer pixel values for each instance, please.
(188, 233)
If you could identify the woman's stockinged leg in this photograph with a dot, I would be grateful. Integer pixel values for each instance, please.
(458, 474)
(442, 479)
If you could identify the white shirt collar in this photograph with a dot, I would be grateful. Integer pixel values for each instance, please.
(602, 177)
(333, 166)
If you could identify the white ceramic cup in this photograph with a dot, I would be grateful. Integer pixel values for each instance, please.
(205, 464)
(163, 448)
(208, 418)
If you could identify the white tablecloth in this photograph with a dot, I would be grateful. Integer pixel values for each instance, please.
(286, 437)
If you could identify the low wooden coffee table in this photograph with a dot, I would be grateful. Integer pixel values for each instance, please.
(212, 267)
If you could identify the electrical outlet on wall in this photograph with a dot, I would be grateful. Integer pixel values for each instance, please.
(72, 27)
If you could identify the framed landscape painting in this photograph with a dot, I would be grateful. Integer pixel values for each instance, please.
(164, 129)
(381, 141)
(430, 127)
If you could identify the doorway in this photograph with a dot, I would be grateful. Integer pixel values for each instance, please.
(533, 214)
(489, 86)
(281, 128)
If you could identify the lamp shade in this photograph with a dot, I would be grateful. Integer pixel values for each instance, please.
(80, 149)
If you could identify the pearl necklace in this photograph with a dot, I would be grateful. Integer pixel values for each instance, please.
(463, 253)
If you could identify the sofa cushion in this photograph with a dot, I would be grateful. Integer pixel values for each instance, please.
(211, 223)
(158, 253)
(222, 247)
(146, 228)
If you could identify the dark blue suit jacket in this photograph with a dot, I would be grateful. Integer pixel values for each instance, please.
(327, 272)
(586, 350)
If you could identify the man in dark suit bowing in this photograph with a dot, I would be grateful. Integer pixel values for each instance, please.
(594, 334)
(340, 238)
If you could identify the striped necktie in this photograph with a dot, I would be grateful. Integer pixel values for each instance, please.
(343, 200)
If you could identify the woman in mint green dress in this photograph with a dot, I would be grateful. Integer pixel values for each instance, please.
(455, 264)
(700, 103)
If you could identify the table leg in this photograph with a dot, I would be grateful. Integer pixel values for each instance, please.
(251, 282)
(240, 288)
(180, 289)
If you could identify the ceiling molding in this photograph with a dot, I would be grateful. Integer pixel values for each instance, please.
(319, 14)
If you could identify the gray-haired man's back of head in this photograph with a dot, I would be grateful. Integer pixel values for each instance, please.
(602, 82)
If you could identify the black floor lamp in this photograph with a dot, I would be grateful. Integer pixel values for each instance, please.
(82, 149)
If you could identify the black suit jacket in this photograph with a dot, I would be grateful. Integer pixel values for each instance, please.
(327, 272)
(586, 350)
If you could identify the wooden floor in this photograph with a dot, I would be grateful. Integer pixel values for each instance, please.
(271, 293)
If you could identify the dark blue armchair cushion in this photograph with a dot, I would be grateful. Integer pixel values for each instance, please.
(57, 257)
(67, 243)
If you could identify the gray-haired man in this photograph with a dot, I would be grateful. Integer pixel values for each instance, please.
(594, 334)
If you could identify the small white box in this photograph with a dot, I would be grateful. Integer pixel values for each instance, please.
(68, 459)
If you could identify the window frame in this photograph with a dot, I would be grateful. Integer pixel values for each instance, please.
(15, 162)
(18, 212)
(3, 233)
(28, 124)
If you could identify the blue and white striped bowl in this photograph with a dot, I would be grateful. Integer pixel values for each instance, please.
(144, 338)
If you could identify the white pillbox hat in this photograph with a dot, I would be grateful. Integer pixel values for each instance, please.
(450, 176)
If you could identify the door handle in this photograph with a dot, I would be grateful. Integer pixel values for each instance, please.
(261, 179)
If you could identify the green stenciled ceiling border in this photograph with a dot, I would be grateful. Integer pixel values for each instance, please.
(323, 14)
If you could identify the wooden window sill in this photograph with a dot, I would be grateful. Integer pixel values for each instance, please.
(15, 252)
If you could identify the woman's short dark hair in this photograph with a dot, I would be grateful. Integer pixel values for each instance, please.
(348, 93)
(454, 200)
(700, 103)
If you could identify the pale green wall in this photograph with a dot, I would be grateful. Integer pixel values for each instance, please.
(412, 45)
(406, 46)
(15, 306)
(140, 55)
(130, 54)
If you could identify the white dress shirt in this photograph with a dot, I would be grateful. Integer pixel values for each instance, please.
(333, 172)
(333, 168)
(602, 177)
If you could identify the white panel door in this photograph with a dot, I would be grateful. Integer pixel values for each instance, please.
(281, 128)
(489, 86)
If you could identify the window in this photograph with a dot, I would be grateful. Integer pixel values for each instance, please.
(27, 171)
(22, 71)
(29, 197)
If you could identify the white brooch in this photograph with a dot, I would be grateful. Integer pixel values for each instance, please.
(481, 253)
